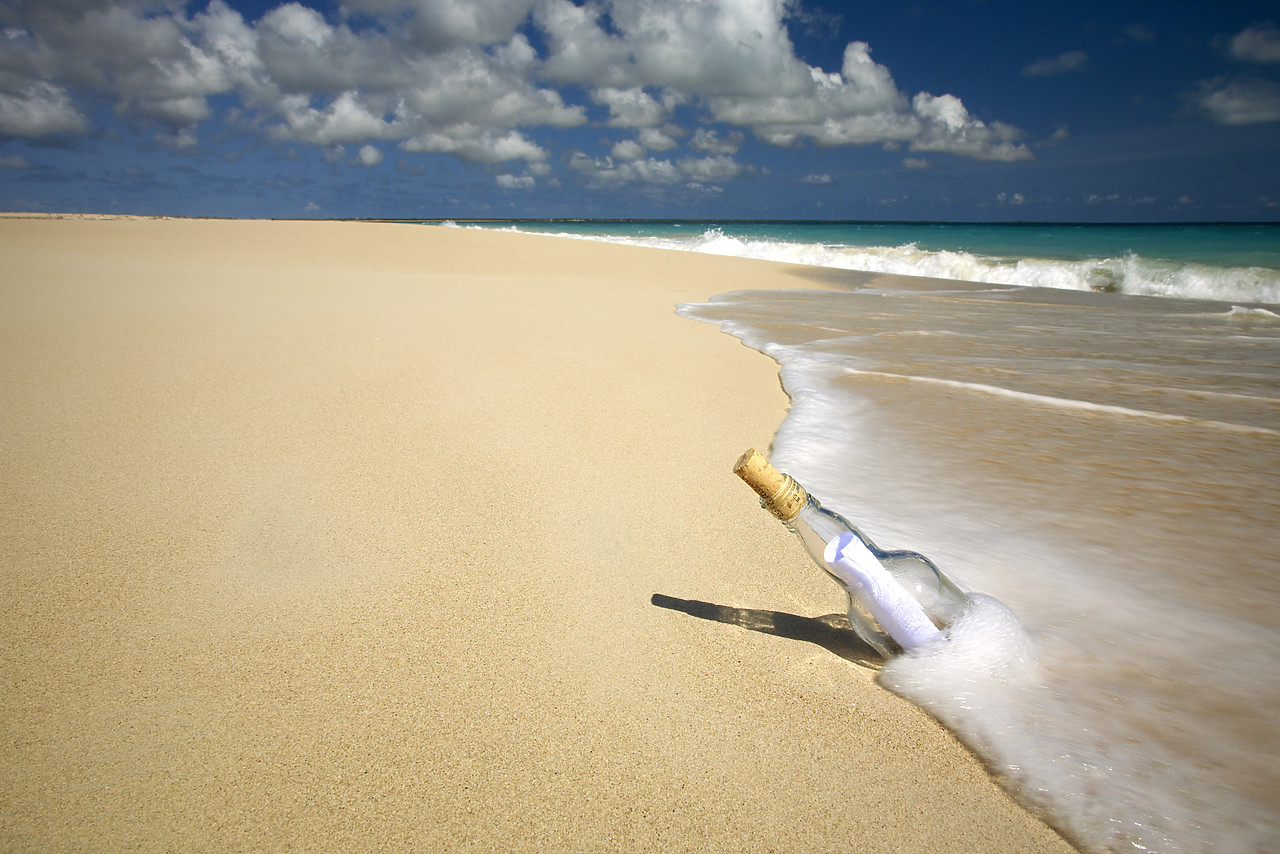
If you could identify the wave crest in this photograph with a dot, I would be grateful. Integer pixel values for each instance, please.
(1130, 273)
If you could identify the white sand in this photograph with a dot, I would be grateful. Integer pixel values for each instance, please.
(345, 536)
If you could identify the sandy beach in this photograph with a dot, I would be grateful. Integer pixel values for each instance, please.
(356, 536)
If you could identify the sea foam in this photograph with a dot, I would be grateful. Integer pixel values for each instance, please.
(1127, 272)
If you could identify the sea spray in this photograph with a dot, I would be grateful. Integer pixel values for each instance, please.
(1129, 273)
(1222, 262)
(986, 686)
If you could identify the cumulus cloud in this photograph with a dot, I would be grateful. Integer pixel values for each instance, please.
(512, 182)
(36, 108)
(1259, 43)
(631, 108)
(718, 167)
(438, 25)
(659, 139)
(297, 76)
(859, 104)
(817, 178)
(343, 120)
(719, 47)
(464, 78)
(369, 155)
(604, 170)
(650, 170)
(1238, 102)
(628, 149)
(710, 141)
(485, 146)
(948, 127)
(1071, 60)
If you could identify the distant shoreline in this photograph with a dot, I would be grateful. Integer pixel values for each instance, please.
(624, 220)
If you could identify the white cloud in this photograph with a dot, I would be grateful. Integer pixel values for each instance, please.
(464, 92)
(298, 77)
(631, 108)
(1239, 102)
(915, 163)
(948, 127)
(37, 108)
(483, 147)
(719, 167)
(438, 25)
(1071, 60)
(650, 170)
(605, 171)
(15, 161)
(344, 120)
(718, 47)
(1259, 43)
(659, 139)
(462, 77)
(654, 171)
(862, 104)
(600, 170)
(628, 149)
(734, 56)
(1011, 198)
(580, 48)
(710, 142)
(511, 182)
(818, 178)
(369, 155)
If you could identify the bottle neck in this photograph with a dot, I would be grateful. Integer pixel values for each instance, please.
(779, 493)
(787, 502)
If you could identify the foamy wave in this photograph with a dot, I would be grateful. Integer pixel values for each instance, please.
(1240, 312)
(1129, 274)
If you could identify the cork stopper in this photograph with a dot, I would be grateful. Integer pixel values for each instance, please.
(779, 493)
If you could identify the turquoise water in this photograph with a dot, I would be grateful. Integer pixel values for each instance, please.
(1207, 261)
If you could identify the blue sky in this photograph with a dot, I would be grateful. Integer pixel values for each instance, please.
(967, 110)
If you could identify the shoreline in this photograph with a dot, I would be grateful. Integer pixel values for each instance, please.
(358, 534)
(442, 219)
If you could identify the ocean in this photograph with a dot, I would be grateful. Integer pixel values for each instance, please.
(1081, 425)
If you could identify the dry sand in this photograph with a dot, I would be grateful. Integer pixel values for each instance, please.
(349, 536)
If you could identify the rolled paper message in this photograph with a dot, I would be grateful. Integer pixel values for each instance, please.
(898, 613)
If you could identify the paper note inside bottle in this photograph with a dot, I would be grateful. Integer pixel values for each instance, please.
(866, 578)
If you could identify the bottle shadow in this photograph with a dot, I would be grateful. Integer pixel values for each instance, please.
(830, 631)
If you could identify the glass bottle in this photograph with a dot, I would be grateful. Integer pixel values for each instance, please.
(820, 532)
